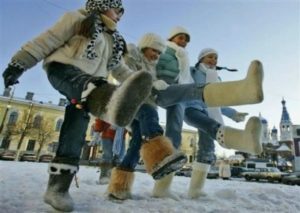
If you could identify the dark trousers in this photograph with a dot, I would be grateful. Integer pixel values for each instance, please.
(70, 81)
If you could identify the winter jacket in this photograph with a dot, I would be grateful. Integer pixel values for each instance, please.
(199, 77)
(173, 65)
(60, 43)
(136, 61)
(108, 132)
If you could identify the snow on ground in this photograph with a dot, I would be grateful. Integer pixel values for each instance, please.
(22, 185)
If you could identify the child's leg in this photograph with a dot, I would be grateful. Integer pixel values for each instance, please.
(175, 115)
(124, 172)
(106, 161)
(157, 151)
(246, 91)
(65, 164)
(115, 104)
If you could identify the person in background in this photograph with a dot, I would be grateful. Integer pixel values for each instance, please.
(224, 170)
(110, 156)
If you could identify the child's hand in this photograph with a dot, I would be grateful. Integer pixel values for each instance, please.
(160, 85)
(11, 75)
(239, 116)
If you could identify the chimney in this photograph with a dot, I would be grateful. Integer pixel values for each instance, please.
(29, 96)
(62, 102)
(6, 92)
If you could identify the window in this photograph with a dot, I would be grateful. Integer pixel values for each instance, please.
(190, 158)
(5, 143)
(298, 132)
(52, 147)
(37, 121)
(58, 125)
(30, 145)
(13, 117)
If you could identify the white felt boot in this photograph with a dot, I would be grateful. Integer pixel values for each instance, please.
(162, 188)
(198, 179)
(231, 93)
(248, 140)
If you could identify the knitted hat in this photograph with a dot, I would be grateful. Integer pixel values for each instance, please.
(205, 52)
(153, 41)
(178, 30)
(103, 5)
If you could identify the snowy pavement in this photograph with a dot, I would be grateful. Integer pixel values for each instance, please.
(22, 185)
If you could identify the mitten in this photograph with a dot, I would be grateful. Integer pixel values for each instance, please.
(160, 85)
(239, 116)
(11, 75)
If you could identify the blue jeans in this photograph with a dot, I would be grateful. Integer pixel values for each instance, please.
(70, 81)
(132, 155)
(175, 115)
(145, 125)
(173, 99)
(72, 136)
(178, 93)
(107, 145)
(207, 130)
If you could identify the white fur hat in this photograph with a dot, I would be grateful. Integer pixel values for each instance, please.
(153, 41)
(178, 30)
(205, 52)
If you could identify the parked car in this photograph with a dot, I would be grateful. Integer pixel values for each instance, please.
(28, 157)
(292, 179)
(236, 171)
(8, 155)
(185, 171)
(213, 172)
(271, 174)
(46, 158)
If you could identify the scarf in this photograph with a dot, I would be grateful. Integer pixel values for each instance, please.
(212, 77)
(118, 44)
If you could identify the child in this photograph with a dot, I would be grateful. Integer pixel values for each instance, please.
(157, 151)
(78, 53)
(207, 120)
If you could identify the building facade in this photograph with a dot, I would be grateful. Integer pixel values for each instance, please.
(31, 126)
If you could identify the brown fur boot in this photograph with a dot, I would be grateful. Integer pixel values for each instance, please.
(160, 157)
(120, 184)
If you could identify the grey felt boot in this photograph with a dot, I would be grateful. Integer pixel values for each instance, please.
(118, 104)
(57, 193)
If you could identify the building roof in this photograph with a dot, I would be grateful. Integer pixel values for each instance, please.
(285, 117)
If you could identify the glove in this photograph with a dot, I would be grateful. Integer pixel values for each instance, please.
(11, 75)
(239, 116)
(160, 85)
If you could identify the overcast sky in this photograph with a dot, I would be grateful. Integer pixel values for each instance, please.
(268, 30)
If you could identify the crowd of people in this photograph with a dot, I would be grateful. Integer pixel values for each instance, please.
(83, 49)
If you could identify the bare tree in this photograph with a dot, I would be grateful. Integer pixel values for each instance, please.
(42, 134)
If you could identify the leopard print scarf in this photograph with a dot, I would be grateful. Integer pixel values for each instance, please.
(118, 44)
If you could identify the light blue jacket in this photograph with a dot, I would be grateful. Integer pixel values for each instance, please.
(199, 77)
